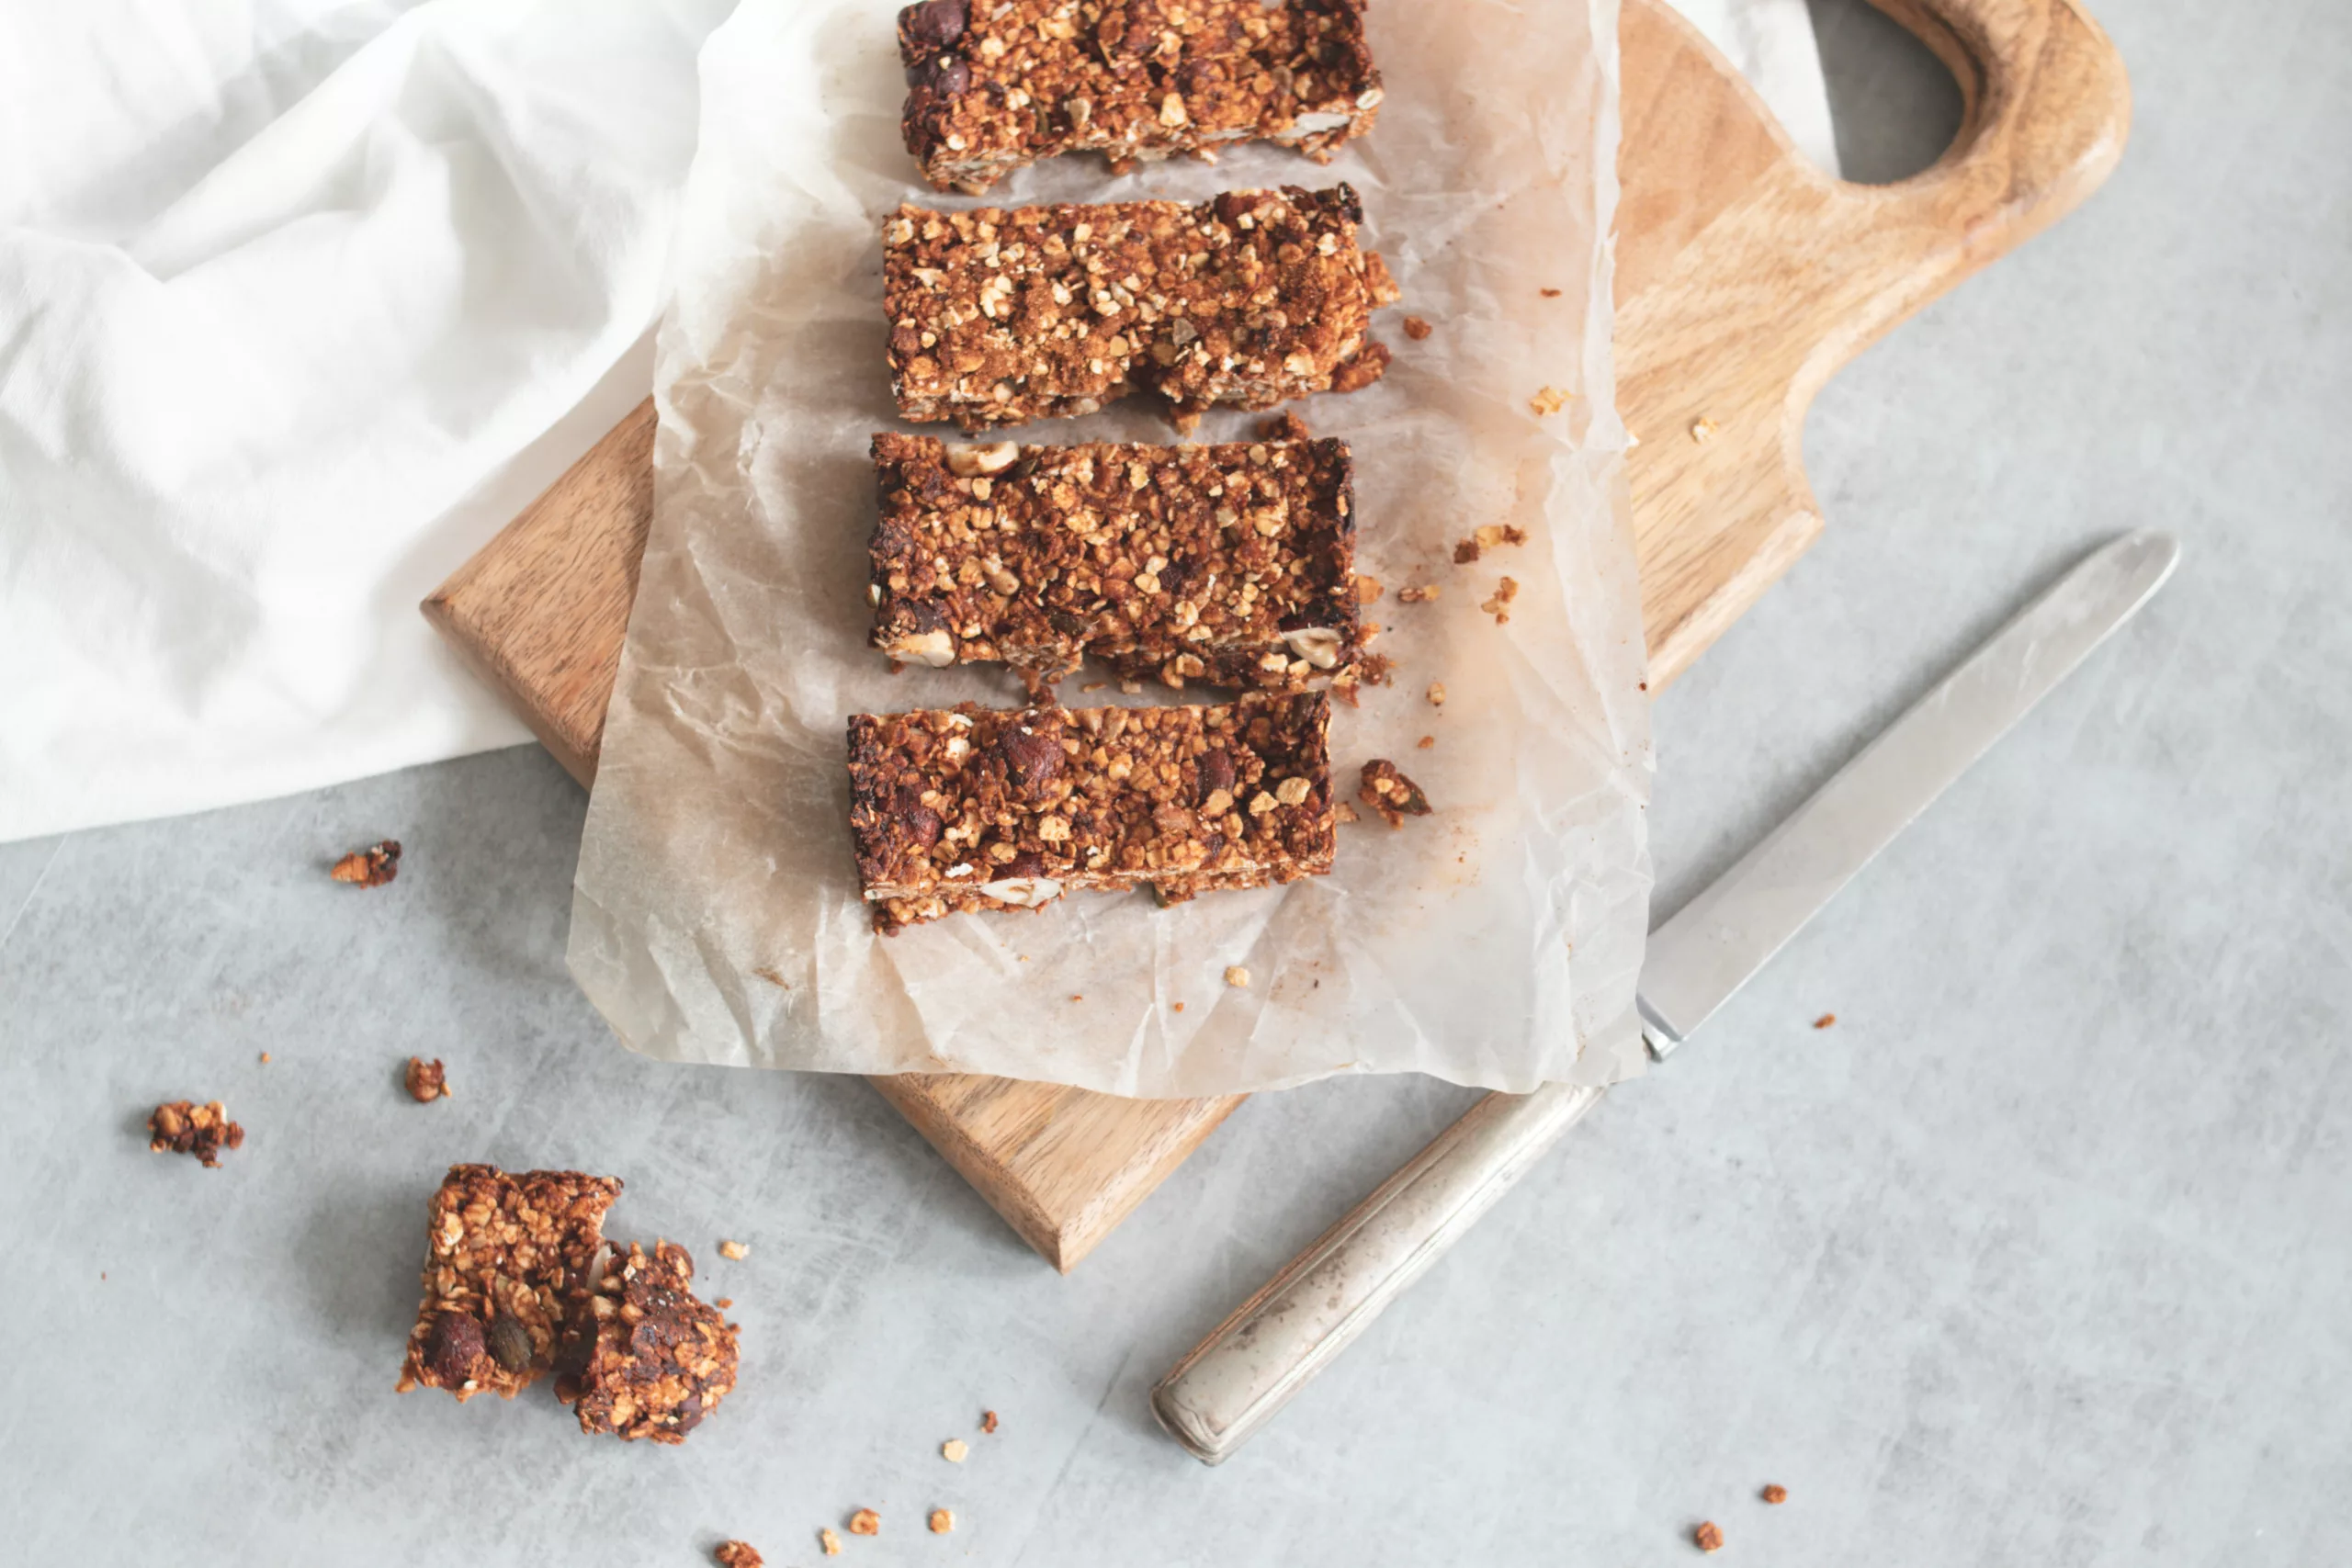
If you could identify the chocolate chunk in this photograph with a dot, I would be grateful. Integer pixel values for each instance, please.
(451, 1346)
(1216, 773)
(935, 23)
(1031, 760)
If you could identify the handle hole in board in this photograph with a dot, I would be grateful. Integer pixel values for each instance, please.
(1895, 107)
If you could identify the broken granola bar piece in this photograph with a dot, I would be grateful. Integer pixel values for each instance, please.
(1391, 794)
(999, 316)
(509, 1260)
(646, 1359)
(1232, 565)
(985, 809)
(183, 1127)
(994, 86)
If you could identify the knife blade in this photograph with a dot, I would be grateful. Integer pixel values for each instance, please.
(1250, 1366)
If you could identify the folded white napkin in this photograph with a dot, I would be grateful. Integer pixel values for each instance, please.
(292, 294)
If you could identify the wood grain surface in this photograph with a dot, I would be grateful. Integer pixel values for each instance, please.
(1744, 278)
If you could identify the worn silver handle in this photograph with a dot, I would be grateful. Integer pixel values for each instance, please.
(1233, 1381)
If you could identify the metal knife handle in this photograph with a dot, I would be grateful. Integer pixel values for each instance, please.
(1251, 1364)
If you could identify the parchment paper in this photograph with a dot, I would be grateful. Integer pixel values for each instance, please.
(1495, 943)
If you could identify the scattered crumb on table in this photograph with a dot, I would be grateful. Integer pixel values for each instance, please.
(734, 1251)
(1550, 401)
(866, 1522)
(427, 1080)
(1550, 293)
(1425, 743)
(942, 1521)
(1703, 430)
(1707, 1538)
(1825, 1021)
(830, 1543)
(1437, 693)
(987, 1420)
(264, 1058)
(1776, 1493)
(1418, 329)
(370, 867)
(1418, 594)
(954, 1450)
(739, 1554)
(1367, 589)
(1499, 605)
(1237, 977)
(182, 1127)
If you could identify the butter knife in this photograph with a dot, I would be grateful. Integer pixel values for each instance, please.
(1234, 1380)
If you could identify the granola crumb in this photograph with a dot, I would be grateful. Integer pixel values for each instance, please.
(830, 1543)
(1367, 590)
(1707, 1538)
(987, 1420)
(1391, 794)
(1179, 1007)
(1132, 688)
(1825, 1021)
(264, 1058)
(954, 1450)
(722, 1302)
(866, 1522)
(1550, 401)
(427, 1081)
(1703, 430)
(370, 867)
(1425, 743)
(1550, 293)
(1284, 426)
(739, 1554)
(1437, 693)
(1342, 812)
(1237, 977)
(1375, 669)
(1465, 552)
(767, 972)
(942, 1521)
(1419, 594)
(1492, 533)
(182, 1127)
(1094, 685)
(1776, 1494)
(898, 667)
(734, 1251)
(1499, 605)
(1418, 329)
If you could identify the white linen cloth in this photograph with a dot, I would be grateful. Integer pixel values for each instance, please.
(299, 301)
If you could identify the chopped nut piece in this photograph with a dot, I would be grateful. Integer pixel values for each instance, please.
(1237, 977)
(1707, 1538)
(994, 87)
(1419, 594)
(1825, 1021)
(942, 1521)
(504, 1248)
(1418, 329)
(1703, 431)
(1367, 590)
(1343, 812)
(1001, 316)
(987, 1420)
(427, 1081)
(829, 1542)
(1776, 1494)
(1499, 605)
(370, 867)
(182, 1127)
(866, 1522)
(1437, 693)
(736, 1554)
(646, 1359)
(1391, 794)
(734, 1251)
(1550, 401)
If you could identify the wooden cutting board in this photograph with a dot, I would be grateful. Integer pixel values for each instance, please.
(1744, 278)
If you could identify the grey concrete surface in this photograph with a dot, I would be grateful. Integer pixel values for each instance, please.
(2041, 1256)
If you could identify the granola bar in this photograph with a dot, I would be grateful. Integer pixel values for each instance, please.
(999, 316)
(1001, 83)
(646, 1359)
(1230, 564)
(510, 1259)
(984, 809)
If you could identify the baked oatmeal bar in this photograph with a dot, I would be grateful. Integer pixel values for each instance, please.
(993, 85)
(510, 1259)
(985, 809)
(1231, 564)
(646, 1359)
(1002, 315)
